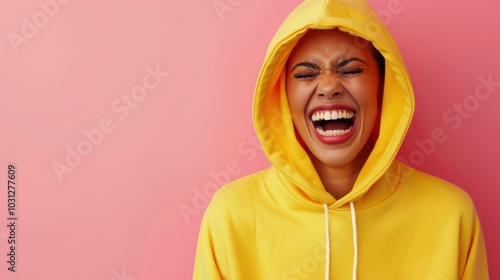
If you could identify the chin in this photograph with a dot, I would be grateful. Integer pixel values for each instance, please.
(334, 160)
(349, 154)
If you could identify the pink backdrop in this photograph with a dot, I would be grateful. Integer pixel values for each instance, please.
(123, 118)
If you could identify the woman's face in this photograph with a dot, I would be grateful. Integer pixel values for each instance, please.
(333, 84)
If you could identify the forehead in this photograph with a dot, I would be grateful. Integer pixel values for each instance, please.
(329, 43)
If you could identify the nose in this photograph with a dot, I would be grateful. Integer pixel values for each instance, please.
(329, 87)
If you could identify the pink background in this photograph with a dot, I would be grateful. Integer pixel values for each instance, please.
(117, 214)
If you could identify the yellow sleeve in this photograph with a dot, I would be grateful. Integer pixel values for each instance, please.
(205, 265)
(476, 263)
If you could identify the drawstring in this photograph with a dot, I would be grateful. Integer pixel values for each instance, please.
(354, 241)
(327, 269)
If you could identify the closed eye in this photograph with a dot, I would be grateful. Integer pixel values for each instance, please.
(304, 76)
(350, 72)
(309, 70)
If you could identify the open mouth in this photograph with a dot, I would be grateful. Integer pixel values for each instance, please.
(333, 122)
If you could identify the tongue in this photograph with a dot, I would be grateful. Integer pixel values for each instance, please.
(335, 125)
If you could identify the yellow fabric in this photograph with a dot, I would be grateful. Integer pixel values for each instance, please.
(270, 225)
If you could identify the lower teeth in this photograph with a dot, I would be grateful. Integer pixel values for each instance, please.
(337, 132)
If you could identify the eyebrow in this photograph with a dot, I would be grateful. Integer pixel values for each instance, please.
(305, 64)
(349, 60)
(339, 65)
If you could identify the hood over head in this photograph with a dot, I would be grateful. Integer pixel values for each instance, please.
(271, 112)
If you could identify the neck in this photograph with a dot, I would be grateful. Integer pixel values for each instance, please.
(339, 180)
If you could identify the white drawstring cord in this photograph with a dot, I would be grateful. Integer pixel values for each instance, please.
(354, 241)
(327, 266)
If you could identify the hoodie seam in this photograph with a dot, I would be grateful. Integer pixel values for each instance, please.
(396, 185)
(292, 195)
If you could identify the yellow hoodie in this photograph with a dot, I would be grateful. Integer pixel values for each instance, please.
(281, 223)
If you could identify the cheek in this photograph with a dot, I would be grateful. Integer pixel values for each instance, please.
(297, 101)
(365, 93)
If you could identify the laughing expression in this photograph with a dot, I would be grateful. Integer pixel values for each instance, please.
(333, 86)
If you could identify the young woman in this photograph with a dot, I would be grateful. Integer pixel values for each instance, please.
(332, 104)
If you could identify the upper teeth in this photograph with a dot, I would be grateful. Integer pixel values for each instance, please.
(332, 115)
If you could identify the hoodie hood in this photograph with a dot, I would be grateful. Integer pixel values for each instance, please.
(271, 113)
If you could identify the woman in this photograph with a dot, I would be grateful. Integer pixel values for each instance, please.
(332, 104)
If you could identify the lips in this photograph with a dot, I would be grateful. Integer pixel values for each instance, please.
(333, 124)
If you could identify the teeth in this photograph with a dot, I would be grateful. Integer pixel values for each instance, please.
(332, 115)
(327, 116)
(337, 132)
(335, 115)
